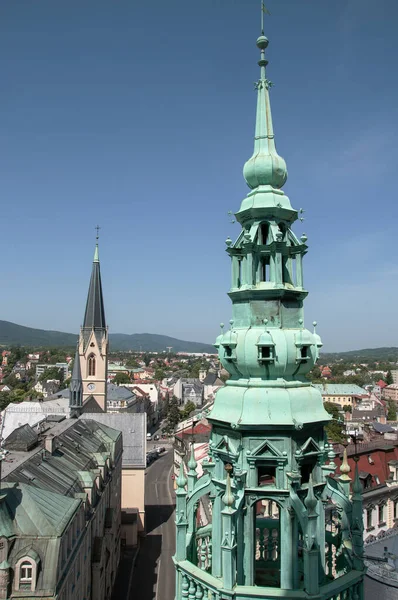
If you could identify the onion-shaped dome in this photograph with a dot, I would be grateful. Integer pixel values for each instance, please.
(265, 167)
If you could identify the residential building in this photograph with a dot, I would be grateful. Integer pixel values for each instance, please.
(60, 512)
(62, 366)
(390, 392)
(133, 428)
(377, 464)
(211, 384)
(193, 433)
(343, 394)
(47, 388)
(394, 373)
(267, 441)
(189, 389)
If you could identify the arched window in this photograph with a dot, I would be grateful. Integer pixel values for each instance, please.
(26, 572)
(91, 365)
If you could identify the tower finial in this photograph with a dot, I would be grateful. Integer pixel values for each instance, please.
(96, 253)
(264, 11)
(265, 167)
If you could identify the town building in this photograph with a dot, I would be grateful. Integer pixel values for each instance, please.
(390, 392)
(343, 394)
(60, 512)
(61, 366)
(189, 389)
(377, 463)
(267, 477)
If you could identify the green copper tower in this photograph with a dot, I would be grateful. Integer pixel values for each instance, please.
(267, 519)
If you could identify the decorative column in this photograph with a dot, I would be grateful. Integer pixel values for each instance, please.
(357, 520)
(192, 474)
(286, 549)
(310, 551)
(228, 546)
(181, 515)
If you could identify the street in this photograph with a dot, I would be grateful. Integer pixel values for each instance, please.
(153, 576)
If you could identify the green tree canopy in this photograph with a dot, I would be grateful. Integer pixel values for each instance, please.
(392, 410)
(121, 378)
(388, 378)
(52, 373)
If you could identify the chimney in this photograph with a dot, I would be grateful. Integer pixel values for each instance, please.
(49, 443)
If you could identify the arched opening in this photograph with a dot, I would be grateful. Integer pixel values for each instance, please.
(91, 365)
(267, 550)
(264, 229)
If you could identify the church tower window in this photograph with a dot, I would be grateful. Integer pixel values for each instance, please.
(91, 365)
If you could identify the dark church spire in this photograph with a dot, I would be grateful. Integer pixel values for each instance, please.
(94, 317)
(76, 384)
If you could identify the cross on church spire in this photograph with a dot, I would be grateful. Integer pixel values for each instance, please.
(97, 229)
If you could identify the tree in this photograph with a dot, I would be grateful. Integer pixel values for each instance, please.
(121, 378)
(159, 374)
(392, 410)
(388, 378)
(334, 429)
(186, 411)
(173, 415)
(132, 363)
(52, 373)
(147, 359)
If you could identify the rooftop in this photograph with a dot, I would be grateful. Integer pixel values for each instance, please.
(340, 389)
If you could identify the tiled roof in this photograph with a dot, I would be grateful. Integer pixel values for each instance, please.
(133, 428)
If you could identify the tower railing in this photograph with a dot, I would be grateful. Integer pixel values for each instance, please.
(196, 584)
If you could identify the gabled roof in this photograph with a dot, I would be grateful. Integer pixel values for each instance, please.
(94, 316)
(30, 511)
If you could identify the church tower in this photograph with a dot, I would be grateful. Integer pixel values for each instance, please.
(277, 523)
(76, 385)
(93, 344)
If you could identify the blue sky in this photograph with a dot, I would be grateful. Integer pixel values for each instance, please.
(140, 115)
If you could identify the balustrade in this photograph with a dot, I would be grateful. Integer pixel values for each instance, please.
(204, 547)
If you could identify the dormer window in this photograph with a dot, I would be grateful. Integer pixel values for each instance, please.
(305, 353)
(266, 348)
(26, 571)
(303, 342)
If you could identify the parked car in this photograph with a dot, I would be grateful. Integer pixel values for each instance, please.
(156, 437)
(149, 437)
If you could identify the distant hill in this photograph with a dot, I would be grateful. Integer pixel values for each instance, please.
(366, 355)
(12, 334)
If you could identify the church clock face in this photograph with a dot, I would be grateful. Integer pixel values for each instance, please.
(91, 387)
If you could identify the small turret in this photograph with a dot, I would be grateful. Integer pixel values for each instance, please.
(76, 384)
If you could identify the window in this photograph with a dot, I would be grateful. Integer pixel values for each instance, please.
(396, 509)
(369, 518)
(381, 513)
(25, 576)
(266, 475)
(91, 365)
